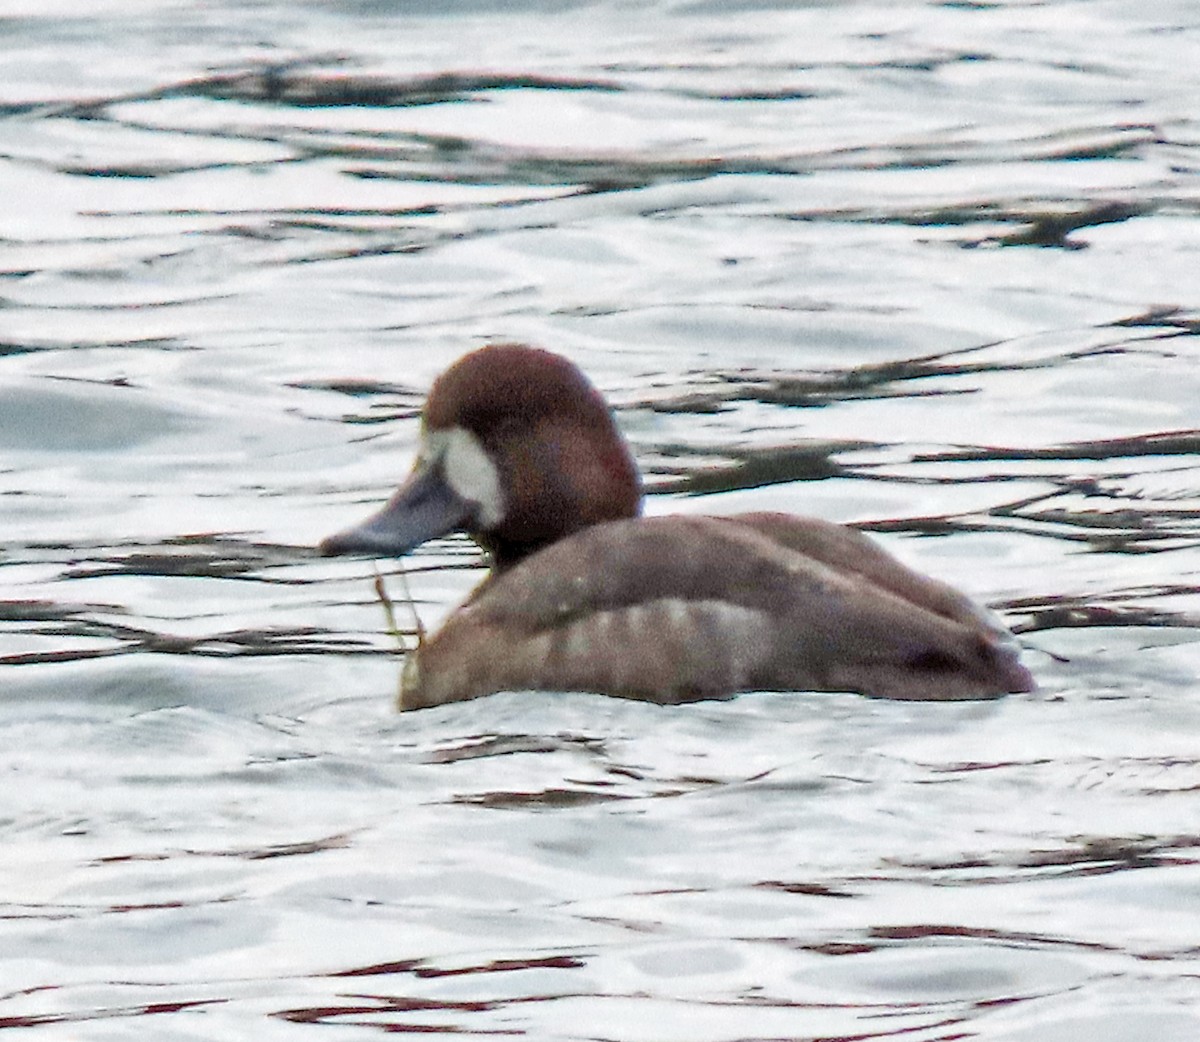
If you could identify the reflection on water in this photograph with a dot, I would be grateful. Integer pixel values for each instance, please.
(929, 270)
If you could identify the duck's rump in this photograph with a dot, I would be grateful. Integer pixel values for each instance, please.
(677, 609)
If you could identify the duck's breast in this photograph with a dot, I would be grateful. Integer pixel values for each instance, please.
(626, 608)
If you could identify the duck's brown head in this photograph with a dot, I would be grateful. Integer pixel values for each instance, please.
(518, 450)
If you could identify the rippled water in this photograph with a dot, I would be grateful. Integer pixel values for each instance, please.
(930, 269)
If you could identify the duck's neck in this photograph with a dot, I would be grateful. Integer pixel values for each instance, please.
(503, 554)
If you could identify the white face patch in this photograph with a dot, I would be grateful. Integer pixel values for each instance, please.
(468, 470)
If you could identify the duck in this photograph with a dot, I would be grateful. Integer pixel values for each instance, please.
(520, 451)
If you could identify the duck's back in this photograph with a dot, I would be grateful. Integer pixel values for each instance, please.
(677, 609)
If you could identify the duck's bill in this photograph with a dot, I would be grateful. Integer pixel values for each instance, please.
(423, 508)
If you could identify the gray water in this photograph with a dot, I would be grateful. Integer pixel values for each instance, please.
(926, 268)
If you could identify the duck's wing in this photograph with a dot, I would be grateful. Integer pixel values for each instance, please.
(852, 553)
(684, 608)
(913, 656)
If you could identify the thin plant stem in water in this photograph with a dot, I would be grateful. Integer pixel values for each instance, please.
(389, 610)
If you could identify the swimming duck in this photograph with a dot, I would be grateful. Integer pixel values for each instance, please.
(520, 451)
